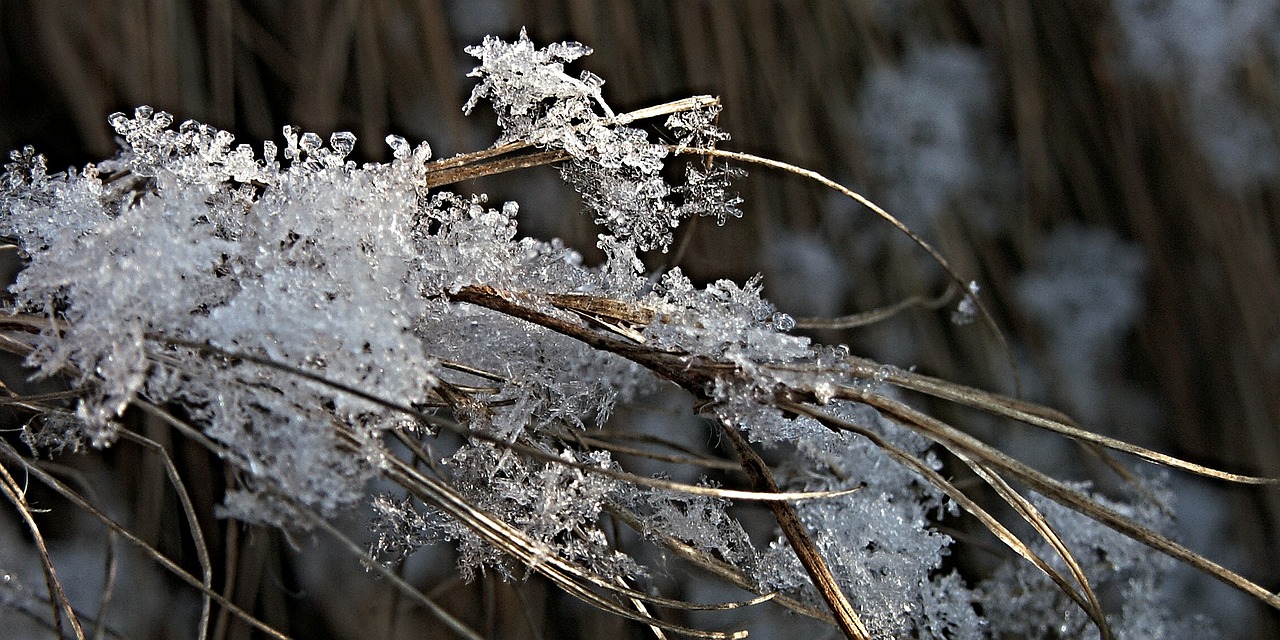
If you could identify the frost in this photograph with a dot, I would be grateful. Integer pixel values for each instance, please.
(877, 538)
(337, 270)
(170, 273)
(705, 192)
(342, 142)
(700, 521)
(925, 128)
(54, 433)
(316, 264)
(1086, 294)
(697, 128)
(557, 506)
(616, 169)
(782, 322)
(967, 309)
(722, 320)
(400, 528)
(1018, 599)
(1203, 46)
(529, 88)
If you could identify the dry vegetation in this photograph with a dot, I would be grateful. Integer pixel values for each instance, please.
(1066, 135)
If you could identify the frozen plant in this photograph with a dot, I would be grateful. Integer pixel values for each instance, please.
(1016, 597)
(320, 323)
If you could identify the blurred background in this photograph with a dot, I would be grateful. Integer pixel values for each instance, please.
(1108, 171)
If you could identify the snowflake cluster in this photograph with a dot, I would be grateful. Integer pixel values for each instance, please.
(1086, 293)
(314, 263)
(296, 255)
(1205, 47)
(616, 169)
(1121, 570)
(171, 273)
(865, 535)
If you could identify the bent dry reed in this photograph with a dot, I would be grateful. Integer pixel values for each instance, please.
(343, 335)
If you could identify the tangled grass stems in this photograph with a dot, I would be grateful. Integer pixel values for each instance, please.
(722, 345)
(57, 595)
(84, 505)
(968, 449)
(984, 460)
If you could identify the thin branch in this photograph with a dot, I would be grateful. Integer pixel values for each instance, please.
(10, 453)
(785, 513)
(956, 440)
(193, 523)
(879, 315)
(898, 224)
(57, 596)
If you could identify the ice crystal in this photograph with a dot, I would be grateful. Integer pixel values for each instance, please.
(1086, 294)
(400, 528)
(723, 320)
(877, 538)
(700, 521)
(1018, 603)
(170, 272)
(316, 264)
(697, 128)
(967, 308)
(706, 193)
(556, 505)
(615, 168)
(529, 89)
(925, 128)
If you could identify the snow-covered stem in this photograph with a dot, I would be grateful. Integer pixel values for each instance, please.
(319, 323)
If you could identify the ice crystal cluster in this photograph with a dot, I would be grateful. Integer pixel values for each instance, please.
(910, 598)
(349, 274)
(1015, 597)
(926, 127)
(1206, 48)
(1086, 293)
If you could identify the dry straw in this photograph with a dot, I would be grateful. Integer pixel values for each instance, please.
(1091, 146)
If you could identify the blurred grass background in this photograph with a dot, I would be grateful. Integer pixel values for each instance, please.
(1126, 153)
